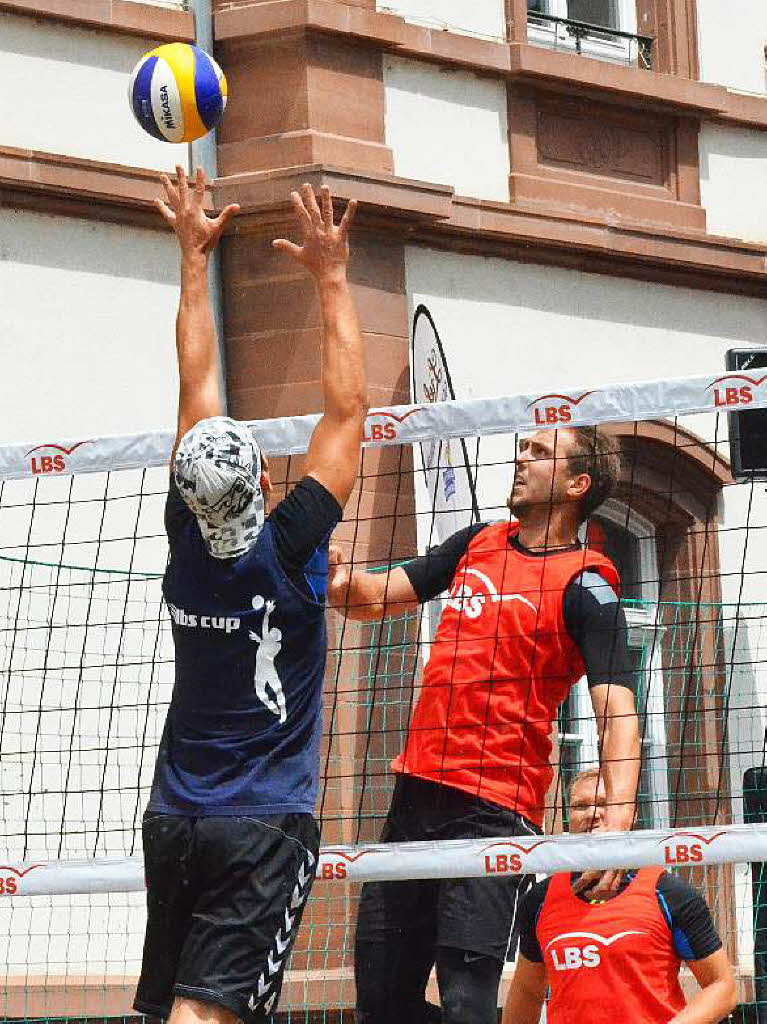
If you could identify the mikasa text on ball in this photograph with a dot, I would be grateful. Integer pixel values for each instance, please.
(177, 92)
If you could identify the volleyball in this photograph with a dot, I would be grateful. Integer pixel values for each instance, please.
(177, 92)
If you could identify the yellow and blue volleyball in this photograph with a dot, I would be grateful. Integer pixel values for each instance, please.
(177, 92)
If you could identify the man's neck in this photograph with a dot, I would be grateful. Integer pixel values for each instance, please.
(544, 528)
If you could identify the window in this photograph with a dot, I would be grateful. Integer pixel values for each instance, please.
(577, 25)
(630, 542)
(595, 12)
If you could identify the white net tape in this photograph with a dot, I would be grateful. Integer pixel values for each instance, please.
(405, 424)
(457, 858)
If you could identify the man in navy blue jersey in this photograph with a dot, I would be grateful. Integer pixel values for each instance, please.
(230, 843)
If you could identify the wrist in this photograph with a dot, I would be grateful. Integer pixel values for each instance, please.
(620, 818)
(194, 260)
(332, 278)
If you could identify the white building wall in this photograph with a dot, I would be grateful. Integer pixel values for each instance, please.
(733, 181)
(510, 327)
(480, 17)
(731, 39)
(448, 127)
(87, 314)
(69, 94)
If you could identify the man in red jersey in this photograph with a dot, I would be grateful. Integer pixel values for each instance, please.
(529, 612)
(618, 959)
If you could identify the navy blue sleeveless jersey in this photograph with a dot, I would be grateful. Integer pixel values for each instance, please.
(243, 728)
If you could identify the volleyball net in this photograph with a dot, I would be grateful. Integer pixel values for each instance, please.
(87, 672)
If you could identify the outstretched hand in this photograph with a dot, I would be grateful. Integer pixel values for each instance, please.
(325, 249)
(183, 210)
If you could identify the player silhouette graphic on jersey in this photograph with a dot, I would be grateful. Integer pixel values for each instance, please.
(269, 646)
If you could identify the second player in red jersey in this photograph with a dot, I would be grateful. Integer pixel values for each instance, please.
(618, 959)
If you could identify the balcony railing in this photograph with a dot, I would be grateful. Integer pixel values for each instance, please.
(565, 33)
(176, 5)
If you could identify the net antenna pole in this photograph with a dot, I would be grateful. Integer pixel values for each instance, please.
(430, 379)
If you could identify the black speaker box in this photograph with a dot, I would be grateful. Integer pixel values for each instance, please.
(748, 430)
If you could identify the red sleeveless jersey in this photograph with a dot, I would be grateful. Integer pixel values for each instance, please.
(501, 663)
(611, 961)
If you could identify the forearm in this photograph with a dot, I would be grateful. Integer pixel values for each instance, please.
(522, 1007)
(196, 344)
(526, 993)
(710, 1005)
(620, 761)
(366, 597)
(343, 363)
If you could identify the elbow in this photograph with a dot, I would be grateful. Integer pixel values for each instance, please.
(730, 996)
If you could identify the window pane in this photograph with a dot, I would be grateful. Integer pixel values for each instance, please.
(538, 6)
(595, 12)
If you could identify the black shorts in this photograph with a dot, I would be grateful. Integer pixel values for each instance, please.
(471, 914)
(224, 902)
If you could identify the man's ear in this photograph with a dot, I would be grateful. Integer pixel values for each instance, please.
(579, 486)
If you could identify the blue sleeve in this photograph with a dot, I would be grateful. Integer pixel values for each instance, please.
(302, 524)
(689, 919)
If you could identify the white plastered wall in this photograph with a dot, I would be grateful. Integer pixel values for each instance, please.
(68, 93)
(87, 313)
(448, 127)
(731, 38)
(480, 17)
(513, 328)
(733, 181)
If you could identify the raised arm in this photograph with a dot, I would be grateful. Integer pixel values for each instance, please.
(183, 209)
(334, 450)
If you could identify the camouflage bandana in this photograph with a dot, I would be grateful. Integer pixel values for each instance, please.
(218, 472)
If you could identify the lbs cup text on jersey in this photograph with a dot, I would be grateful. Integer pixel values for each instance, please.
(228, 624)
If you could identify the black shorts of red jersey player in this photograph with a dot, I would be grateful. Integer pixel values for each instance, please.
(529, 611)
